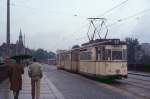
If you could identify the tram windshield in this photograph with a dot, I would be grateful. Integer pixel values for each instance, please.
(116, 55)
(119, 55)
(111, 54)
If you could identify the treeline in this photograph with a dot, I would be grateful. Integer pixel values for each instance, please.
(137, 58)
(42, 54)
(135, 52)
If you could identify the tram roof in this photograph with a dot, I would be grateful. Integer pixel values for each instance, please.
(96, 43)
(104, 42)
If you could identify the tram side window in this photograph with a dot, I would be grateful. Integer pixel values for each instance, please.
(116, 55)
(108, 54)
(58, 57)
(62, 57)
(85, 56)
(124, 54)
(67, 57)
(100, 54)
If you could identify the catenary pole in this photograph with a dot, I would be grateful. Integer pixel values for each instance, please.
(8, 28)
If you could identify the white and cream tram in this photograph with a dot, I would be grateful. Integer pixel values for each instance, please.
(105, 58)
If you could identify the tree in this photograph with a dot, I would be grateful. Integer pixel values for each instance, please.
(43, 54)
(40, 54)
(145, 59)
(51, 55)
(132, 47)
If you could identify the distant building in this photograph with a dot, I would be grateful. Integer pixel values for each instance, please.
(146, 48)
(15, 49)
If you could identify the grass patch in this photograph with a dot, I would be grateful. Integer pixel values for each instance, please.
(147, 67)
(106, 81)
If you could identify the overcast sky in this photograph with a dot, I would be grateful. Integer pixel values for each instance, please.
(59, 24)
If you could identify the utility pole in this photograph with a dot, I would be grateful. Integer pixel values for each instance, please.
(8, 28)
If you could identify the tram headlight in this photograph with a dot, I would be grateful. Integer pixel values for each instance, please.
(122, 66)
(117, 71)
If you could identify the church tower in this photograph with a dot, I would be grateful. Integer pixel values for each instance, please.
(20, 38)
(20, 46)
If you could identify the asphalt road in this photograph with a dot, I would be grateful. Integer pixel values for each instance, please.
(74, 86)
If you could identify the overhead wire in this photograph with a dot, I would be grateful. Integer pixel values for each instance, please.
(118, 5)
(103, 14)
(113, 8)
(95, 28)
(100, 15)
(129, 17)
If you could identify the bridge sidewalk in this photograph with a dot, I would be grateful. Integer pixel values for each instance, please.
(48, 90)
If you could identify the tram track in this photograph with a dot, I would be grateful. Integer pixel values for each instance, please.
(135, 84)
(143, 79)
(133, 87)
(140, 79)
(139, 74)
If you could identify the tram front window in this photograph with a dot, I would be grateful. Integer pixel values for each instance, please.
(108, 54)
(116, 55)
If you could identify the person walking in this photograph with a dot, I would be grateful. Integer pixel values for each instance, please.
(35, 73)
(15, 71)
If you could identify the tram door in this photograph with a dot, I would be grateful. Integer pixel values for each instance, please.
(75, 61)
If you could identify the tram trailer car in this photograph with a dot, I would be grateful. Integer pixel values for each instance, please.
(68, 60)
(102, 58)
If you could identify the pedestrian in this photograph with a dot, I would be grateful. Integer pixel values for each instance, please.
(15, 71)
(35, 73)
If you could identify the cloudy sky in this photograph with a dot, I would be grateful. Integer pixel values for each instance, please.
(59, 24)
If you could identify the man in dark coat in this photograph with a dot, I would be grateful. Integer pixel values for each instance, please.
(15, 72)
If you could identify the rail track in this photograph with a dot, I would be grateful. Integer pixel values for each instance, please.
(139, 74)
(138, 84)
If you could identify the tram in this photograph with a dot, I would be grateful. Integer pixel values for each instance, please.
(68, 60)
(103, 58)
